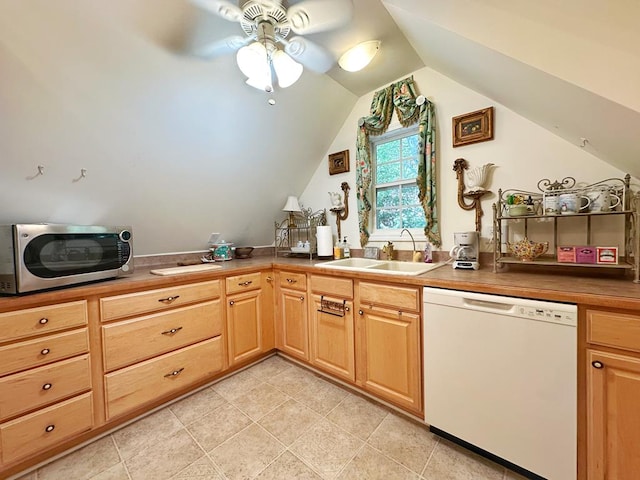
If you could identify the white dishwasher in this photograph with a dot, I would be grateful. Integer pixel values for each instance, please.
(500, 378)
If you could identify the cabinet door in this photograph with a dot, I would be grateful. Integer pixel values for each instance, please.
(332, 342)
(613, 422)
(268, 311)
(389, 343)
(244, 326)
(293, 331)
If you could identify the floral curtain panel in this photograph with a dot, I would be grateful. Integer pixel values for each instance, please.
(401, 97)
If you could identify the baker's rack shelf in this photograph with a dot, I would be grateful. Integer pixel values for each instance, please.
(300, 227)
(629, 253)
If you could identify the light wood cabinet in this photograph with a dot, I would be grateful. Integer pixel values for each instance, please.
(244, 326)
(145, 382)
(292, 326)
(612, 393)
(388, 344)
(42, 320)
(332, 339)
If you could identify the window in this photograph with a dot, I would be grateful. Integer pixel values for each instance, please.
(394, 158)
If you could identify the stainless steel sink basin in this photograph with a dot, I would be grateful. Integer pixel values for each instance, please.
(390, 267)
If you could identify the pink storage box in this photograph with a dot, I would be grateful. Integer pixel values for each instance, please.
(566, 254)
(586, 254)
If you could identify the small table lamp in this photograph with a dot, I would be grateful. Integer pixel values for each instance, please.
(292, 206)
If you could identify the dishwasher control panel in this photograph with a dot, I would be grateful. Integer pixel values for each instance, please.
(548, 315)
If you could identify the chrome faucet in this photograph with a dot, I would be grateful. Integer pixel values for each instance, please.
(417, 256)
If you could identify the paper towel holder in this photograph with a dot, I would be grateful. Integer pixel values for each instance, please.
(342, 212)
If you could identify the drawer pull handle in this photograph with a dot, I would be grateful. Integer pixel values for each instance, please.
(175, 373)
(245, 284)
(44, 351)
(292, 280)
(172, 331)
(49, 428)
(597, 364)
(169, 299)
(47, 386)
(43, 321)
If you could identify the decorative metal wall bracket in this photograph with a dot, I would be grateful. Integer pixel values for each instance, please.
(459, 166)
(342, 212)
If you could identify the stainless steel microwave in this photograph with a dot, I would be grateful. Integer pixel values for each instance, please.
(42, 256)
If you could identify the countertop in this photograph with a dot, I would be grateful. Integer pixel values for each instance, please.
(589, 288)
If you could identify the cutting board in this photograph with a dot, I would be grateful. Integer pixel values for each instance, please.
(185, 269)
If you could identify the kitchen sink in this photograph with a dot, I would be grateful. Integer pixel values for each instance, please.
(391, 267)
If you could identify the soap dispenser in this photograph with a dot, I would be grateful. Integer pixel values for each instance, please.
(346, 249)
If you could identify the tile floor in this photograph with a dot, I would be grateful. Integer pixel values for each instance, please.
(275, 420)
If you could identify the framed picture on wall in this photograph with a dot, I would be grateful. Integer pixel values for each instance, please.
(473, 127)
(339, 162)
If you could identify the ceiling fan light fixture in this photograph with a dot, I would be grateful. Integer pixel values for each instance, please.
(360, 56)
(287, 69)
(252, 60)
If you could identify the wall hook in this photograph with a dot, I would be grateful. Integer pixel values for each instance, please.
(83, 174)
(40, 172)
(583, 142)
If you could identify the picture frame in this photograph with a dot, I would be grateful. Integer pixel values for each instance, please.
(339, 162)
(473, 127)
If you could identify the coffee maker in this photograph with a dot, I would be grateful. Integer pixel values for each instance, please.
(466, 251)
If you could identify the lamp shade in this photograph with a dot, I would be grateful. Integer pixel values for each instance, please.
(252, 60)
(360, 56)
(287, 69)
(292, 204)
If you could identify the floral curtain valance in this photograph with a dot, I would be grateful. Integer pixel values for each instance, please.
(401, 97)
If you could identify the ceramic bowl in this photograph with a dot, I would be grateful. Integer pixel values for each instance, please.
(528, 250)
(243, 252)
(518, 210)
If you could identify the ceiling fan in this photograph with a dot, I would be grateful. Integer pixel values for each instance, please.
(266, 49)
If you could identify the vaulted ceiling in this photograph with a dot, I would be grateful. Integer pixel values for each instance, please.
(111, 86)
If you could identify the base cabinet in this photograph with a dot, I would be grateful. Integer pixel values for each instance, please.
(244, 326)
(292, 333)
(390, 346)
(332, 337)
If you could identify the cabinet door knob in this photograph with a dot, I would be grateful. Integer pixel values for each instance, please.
(597, 364)
(43, 321)
(47, 386)
(44, 351)
(360, 312)
(169, 299)
(232, 303)
(301, 298)
(49, 428)
(269, 279)
(172, 331)
(346, 309)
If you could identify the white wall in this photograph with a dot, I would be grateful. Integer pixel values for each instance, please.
(522, 151)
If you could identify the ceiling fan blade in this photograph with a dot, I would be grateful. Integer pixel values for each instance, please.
(222, 47)
(222, 8)
(309, 54)
(312, 16)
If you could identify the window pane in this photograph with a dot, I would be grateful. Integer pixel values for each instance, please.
(410, 195)
(410, 146)
(387, 152)
(410, 168)
(388, 219)
(388, 172)
(388, 197)
(413, 217)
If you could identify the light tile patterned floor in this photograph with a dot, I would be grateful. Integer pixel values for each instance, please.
(273, 421)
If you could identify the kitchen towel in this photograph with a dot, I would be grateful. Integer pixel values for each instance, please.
(325, 241)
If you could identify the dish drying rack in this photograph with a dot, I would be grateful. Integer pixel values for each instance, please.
(301, 230)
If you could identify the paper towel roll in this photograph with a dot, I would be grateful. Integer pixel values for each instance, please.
(325, 241)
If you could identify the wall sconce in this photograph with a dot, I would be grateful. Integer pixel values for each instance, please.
(360, 56)
(292, 206)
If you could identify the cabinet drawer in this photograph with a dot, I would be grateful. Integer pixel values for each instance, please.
(242, 283)
(41, 320)
(613, 329)
(132, 387)
(157, 300)
(340, 287)
(43, 350)
(296, 281)
(391, 296)
(43, 386)
(45, 428)
(162, 332)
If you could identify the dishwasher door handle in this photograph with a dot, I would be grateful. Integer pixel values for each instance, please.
(488, 306)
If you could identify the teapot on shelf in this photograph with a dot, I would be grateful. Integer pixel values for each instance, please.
(527, 250)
